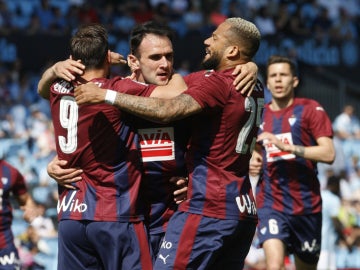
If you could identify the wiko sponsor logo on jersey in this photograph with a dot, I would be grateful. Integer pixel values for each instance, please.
(71, 205)
(246, 205)
(157, 144)
(10, 259)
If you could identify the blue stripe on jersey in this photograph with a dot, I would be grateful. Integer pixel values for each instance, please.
(198, 187)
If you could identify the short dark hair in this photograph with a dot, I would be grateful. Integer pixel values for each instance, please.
(90, 45)
(274, 59)
(150, 27)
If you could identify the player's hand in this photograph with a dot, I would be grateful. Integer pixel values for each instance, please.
(89, 93)
(68, 69)
(64, 177)
(180, 194)
(30, 212)
(246, 77)
(255, 164)
(117, 59)
(268, 138)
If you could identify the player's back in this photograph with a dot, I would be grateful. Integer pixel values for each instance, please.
(98, 139)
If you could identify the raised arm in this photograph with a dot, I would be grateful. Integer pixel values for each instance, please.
(66, 70)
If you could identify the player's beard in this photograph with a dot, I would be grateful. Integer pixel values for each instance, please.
(212, 62)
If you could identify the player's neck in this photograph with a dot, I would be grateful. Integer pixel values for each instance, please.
(93, 74)
(279, 104)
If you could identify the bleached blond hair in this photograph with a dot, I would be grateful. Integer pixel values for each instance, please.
(245, 34)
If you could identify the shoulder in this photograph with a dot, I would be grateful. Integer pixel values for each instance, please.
(309, 104)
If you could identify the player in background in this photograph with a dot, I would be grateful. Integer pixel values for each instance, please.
(162, 146)
(220, 208)
(295, 134)
(12, 184)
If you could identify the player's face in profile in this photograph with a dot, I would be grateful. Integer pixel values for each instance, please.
(280, 81)
(156, 59)
(215, 47)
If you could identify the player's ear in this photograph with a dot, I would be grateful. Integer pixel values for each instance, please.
(233, 51)
(295, 82)
(133, 62)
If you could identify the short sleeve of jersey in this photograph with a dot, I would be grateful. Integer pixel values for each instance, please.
(320, 123)
(208, 88)
(19, 185)
(16, 178)
(128, 86)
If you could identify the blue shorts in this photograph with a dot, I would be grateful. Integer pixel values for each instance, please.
(155, 242)
(301, 234)
(103, 245)
(196, 242)
(9, 258)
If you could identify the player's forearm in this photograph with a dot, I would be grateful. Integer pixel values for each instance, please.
(316, 153)
(45, 82)
(153, 109)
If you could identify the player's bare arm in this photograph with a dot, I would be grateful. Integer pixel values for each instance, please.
(27, 204)
(255, 164)
(246, 77)
(175, 87)
(64, 177)
(157, 109)
(67, 70)
(324, 151)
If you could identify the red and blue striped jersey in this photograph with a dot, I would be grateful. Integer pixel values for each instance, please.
(163, 154)
(163, 150)
(220, 147)
(290, 182)
(103, 142)
(12, 182)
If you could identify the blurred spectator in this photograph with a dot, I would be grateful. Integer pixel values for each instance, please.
(265, 22)
(43, 225)
(194, 18)
(142, 11)
(309, 11)
(123, 20)
(161, 13)
(298, 26)
(322, 25)
(45, 14)
(332, 228)
(283, 20)
(5, 18)
(87, 13)
(332, 6)
(347, 128)
(344, 27)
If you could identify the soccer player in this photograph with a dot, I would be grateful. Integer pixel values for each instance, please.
(163, 146)
(295, 134)
(101, 221)
(214, 227)
(12, 184)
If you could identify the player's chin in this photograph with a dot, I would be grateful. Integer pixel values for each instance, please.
(162, 80)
